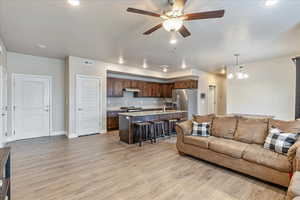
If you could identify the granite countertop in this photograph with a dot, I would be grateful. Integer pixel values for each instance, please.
(143, 108)
(147, 113)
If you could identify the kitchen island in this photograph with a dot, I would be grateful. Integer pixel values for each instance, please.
(127, 120)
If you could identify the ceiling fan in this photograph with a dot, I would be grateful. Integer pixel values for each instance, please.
(173, 19)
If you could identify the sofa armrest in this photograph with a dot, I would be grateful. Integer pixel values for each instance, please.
(296, 160)
(182, 129)
(293, 150)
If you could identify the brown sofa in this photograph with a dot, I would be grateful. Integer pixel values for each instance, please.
(237, 143)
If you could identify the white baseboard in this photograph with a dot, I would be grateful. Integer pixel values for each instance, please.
(56, 133)
(71, 136)
(103, 131)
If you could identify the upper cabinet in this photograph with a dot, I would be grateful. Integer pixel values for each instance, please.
(166, 90)
(116, 86)
(186, 84)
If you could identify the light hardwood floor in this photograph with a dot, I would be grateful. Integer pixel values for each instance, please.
(100, 167)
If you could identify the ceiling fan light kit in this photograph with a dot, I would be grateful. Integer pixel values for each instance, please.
(173, 24)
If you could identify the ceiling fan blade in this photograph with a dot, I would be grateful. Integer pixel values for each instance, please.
(142, 12)
(205, 15)
(184, 31)
(153, 29)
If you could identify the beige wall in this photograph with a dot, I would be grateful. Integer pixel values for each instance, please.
(270, 90)
(34, 65)
(204, 81)
(76, 66)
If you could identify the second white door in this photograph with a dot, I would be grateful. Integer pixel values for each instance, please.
(212, 99)
(31, 106)
(87, 105)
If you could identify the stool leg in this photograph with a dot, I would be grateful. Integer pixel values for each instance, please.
(150, 133)
(141, 136)
(155, 132)
(163, 129)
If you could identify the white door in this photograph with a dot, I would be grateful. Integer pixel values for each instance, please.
(31, 106)
(87, 105)
(212, 99)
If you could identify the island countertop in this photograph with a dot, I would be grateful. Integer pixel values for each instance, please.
(148, 113)
(128, 119)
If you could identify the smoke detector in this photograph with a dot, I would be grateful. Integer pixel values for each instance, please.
(88, 62)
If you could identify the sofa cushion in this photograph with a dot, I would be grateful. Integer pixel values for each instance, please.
(228, 147)
(257, 154)
(224, 126)
(251, 130)
(197, 141)
(204, 118)
(286, 126)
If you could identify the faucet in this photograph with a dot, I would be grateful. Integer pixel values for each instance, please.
(164, 108)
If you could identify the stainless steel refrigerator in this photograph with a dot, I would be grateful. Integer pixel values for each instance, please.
(186, 99)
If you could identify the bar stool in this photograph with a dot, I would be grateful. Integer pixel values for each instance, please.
(143, 131)
(171, 126)
(158, 129)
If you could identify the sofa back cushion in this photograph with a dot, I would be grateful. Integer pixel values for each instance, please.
(252, 130)
(286, 126)
(224, 126)
(204, 118)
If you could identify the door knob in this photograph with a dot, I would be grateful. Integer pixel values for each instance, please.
(47, 110)
(80, 109)
(3, 114)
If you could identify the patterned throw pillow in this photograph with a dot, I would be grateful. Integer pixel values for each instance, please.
(201, 129)
(279, 141)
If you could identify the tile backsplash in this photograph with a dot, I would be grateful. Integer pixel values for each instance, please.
(129, 100)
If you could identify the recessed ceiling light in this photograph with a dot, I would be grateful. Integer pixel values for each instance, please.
(74, 2)
(164, 68)
(42, 46)
(121, 60)
(183, 66)
(271, 2)
(173, 39)
(145, 64)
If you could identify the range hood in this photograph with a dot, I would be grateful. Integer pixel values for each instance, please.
(131, 90)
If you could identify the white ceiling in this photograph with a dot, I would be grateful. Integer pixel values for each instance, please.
(103, 30)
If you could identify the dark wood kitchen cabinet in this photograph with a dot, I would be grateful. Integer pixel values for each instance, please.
(115, 87)
(186, 84)
(113, 120)
(166, 90)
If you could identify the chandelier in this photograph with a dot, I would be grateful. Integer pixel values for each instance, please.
(239, 71)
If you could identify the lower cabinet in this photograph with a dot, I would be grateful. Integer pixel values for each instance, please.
(113, 120)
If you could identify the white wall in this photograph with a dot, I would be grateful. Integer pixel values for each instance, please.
(270, 90)
(26, 64)
(76, 66)
(3, 94)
